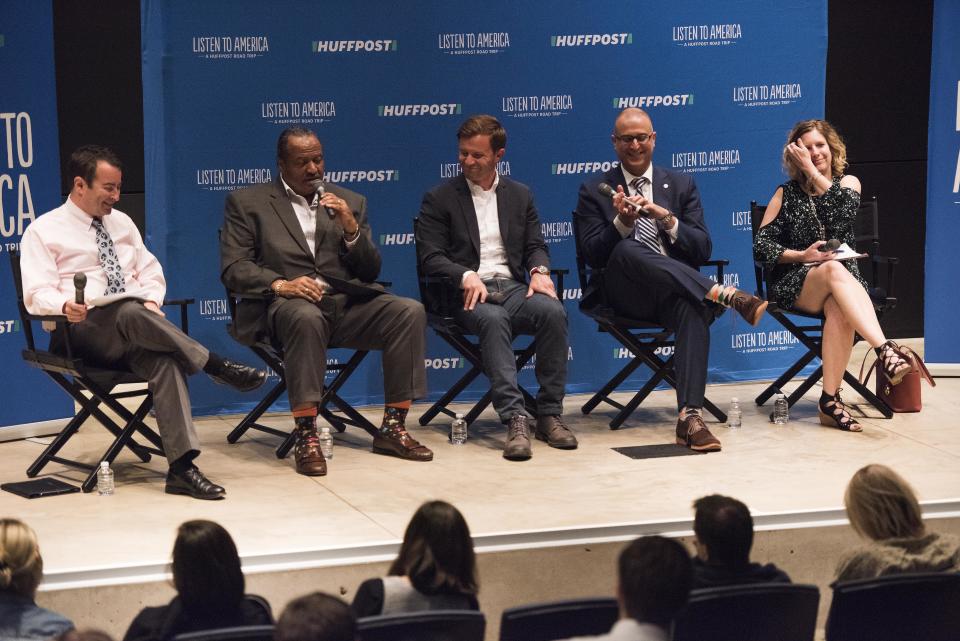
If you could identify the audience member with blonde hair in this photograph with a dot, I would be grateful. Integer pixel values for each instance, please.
(883, 508)
(21, 569)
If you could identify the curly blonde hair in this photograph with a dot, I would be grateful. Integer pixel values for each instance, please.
(882, 505)
(838, 150)
(21, 566)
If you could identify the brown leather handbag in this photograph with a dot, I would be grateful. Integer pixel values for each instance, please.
(904, 397)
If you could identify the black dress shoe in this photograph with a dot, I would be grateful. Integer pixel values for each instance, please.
(240, 377)
(193, 483)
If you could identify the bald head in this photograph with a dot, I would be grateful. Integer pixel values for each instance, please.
(634, 140)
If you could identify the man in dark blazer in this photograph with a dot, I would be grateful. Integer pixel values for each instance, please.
(650, 238)
(305, 247)
(481, 230)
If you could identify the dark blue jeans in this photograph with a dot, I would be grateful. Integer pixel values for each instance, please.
(497, 324)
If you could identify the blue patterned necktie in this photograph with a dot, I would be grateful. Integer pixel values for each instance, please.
(108, 259)
(647, 231)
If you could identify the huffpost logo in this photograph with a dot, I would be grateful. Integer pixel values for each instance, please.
(591, 39)
(446, 109)
(350, 46)
(2, 40)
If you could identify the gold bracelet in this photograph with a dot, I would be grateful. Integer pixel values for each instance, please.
(279, 286)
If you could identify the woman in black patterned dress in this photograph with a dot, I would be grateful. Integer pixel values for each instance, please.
(820, 203)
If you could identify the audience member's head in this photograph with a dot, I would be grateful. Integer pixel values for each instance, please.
(724, 529)
(21, 567)
(655, 576)
(316, 617)
(882, 505)
(437, 552)
(206, 566)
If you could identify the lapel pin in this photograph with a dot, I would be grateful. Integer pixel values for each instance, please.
(666, 186)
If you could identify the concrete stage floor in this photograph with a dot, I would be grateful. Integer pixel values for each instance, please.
(116, 549)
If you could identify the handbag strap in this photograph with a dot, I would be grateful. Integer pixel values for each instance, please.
(863, 381)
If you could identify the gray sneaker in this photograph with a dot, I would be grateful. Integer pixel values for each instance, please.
(517, 447)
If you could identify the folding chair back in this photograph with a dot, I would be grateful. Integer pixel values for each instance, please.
(435, 625)
(559, 619)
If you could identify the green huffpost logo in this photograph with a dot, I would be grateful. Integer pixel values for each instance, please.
(2, 40)
(553, 169)
(313, 46)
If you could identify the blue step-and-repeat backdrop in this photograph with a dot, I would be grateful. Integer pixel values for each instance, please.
(385, 86)
(29, 186)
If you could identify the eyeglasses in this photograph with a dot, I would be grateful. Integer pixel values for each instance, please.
(629, 140)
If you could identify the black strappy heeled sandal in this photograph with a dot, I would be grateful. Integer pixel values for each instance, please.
(895, 363)
(833, 413)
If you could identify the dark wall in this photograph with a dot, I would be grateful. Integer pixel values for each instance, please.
(99, 91)
(878, 79)
(878, 95)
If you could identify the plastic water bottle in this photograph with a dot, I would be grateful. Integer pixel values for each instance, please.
(326, 442)
(104, 479)
(458, 430)
(734, 416)
(781, 411)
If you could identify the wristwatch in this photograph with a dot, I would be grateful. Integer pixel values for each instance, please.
(666, 222)
(540, 269)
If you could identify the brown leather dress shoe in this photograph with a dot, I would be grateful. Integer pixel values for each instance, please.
(749, 306)
(693, 432)
(396, 441)
(307, 454)
(552, 430)
(517, 447)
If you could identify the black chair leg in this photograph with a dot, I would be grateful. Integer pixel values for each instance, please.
(118, 444)
(250, 420)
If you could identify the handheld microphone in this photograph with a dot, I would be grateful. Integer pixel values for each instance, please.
(831, 245)
(79, 283)
(607, 190)
(318, 185)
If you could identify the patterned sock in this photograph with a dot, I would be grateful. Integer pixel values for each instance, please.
(306, 423)
(393, 418)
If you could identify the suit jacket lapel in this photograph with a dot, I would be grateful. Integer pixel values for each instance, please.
(324, 224)
(503, 215)
(284, 209)
(469, 213)
(662, 188)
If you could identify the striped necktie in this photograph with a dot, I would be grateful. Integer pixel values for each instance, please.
(647, 231)
(107, 254)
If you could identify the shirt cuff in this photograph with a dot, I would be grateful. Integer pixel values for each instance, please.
(464, 277)
(625, 230)
(673, 231)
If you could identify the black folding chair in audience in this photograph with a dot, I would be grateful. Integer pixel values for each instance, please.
(433, 625)
(239, 633)
(878, 270)
(90, 387)
(440, 297)
(750, 612)
(332, 407)
(896, 607)
(559, 619)
(643, 339)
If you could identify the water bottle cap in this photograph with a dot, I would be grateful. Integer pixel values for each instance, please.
(104, 465)
(459, 417)
(734, 400)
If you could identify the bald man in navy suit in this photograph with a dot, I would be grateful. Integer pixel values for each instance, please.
(650, 239)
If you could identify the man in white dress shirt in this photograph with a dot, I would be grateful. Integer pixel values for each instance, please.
(654, 579)
(481, 230)
(119, 325)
